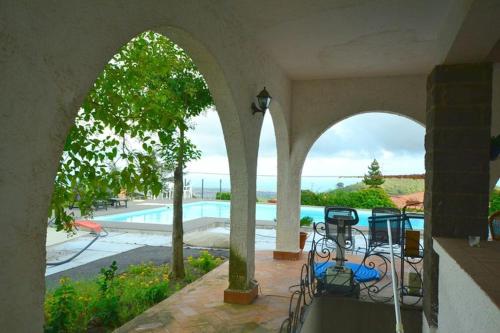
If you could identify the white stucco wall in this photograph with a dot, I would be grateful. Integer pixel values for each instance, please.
(319, 104)
(463, 305)
(51, 54)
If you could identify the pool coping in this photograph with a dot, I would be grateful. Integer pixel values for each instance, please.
(202, 223)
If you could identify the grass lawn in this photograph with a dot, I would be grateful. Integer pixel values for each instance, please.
(394, 186)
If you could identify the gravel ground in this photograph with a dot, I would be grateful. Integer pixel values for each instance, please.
(155, 254)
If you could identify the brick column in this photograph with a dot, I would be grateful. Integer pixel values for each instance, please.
(458, 122)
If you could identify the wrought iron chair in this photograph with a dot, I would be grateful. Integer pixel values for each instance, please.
(494, 223)
(377, 229)
(379, 211)
(339, 218)
(338, 227)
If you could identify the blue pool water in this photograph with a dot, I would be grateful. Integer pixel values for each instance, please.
(199, 209)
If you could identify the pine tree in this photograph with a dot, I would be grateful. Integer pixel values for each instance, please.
(374, 177)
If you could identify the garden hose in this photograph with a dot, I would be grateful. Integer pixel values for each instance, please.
(97, 236)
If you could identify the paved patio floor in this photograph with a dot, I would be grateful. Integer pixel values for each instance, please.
(200, 308)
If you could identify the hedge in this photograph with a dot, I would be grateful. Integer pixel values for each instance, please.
(223, 196)
(365, 198)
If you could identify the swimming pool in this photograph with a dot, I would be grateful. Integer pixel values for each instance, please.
(221, 209)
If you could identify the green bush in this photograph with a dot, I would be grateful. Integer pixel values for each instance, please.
(365, 198)
(223, 196)
(306, 221)
(63, 311)
(494, 201)
(206, 262)
(308, 198)
(112, 299)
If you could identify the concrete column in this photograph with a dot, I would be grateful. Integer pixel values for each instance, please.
(242, 287)
(287, 227)
(457, 138)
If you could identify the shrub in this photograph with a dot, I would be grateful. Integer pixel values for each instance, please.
(365, 198)
(112, 299)
(494, 201)
(223, 196)
(309, 198)
(106, 305)
(306, 221)
(156, 293)
(63, 311)
(206, 262)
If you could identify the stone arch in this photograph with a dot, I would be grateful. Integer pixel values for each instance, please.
(301, 155)
(56, 84)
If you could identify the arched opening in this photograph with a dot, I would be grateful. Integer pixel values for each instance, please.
(323, 164)
(339, 159)
(106, 152)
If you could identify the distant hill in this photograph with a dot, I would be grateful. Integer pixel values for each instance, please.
(393, 186)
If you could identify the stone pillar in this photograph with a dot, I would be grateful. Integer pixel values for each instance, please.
(457, 138)
(288, 211)
(242, 287)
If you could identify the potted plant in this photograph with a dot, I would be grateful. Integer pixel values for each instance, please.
(494, 147)
(306, 221)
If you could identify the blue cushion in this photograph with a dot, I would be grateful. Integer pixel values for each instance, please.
(361, 272)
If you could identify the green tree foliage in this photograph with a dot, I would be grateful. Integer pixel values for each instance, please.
(495, 201)
(145, 97)
(309, 198)
(374, 177)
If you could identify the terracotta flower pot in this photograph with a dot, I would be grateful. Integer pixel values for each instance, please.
(302, 240)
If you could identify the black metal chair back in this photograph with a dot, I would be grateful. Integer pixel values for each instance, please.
(379, 211)
(343, 216)
(377, 227)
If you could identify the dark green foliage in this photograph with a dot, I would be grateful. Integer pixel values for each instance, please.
(495, 201)
(145, 95)
(374, 177)
(223, 196)
(366, 198)
(306, 221)
(63, 309)
(106, 305)
(309, 198)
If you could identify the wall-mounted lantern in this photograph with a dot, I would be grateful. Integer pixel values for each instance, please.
(263, 100)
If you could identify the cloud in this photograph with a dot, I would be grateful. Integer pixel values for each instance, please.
(370, 135)
(207, 135)
(345, 149)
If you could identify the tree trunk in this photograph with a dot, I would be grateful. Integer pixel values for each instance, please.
(177, 229)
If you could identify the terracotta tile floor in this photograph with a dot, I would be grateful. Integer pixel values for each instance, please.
(200, 308)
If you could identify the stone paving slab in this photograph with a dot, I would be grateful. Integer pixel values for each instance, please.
(199, 307)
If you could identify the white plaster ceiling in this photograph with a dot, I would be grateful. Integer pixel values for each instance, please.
(346, 38)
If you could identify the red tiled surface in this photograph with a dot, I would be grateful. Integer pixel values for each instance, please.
(200, 308)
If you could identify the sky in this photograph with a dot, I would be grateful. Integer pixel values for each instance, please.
(346, 149)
